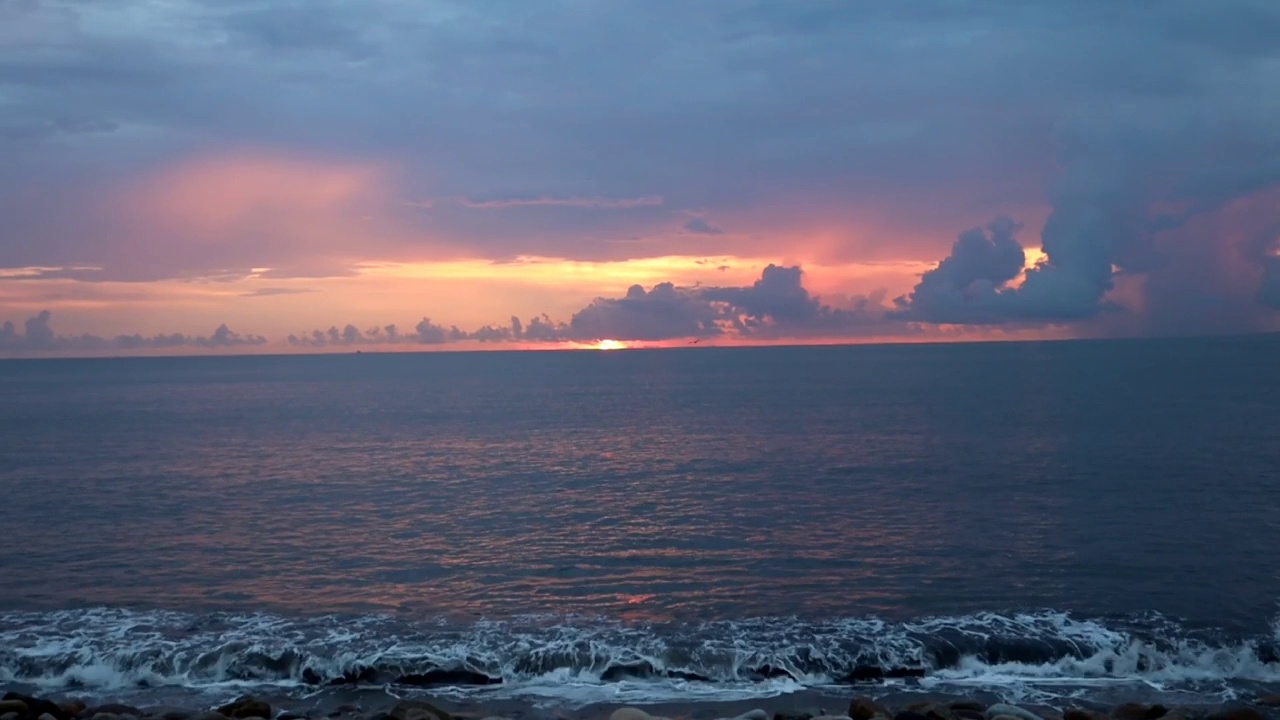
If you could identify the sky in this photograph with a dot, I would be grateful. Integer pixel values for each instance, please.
(191, 176)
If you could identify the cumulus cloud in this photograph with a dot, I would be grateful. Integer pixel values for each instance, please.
(969, 285)
(425, 332)
(38, 336)
(812, 116)
(777, 306)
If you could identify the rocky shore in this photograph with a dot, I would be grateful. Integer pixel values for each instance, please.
(19, 706)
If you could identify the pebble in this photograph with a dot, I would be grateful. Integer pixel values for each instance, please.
(10, 716)
(864, 708)
(1013, 711)
(16, 707)
(798, 714)
(247, 707)
(1269, 701)
(630, 713)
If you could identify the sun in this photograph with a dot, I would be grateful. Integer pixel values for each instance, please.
(611, 345)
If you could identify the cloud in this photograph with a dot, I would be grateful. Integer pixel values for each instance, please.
(970, 284)
(424, 333)
(661, 313)
(777, 306)
(880, 128)
(699, 226)
(38, 337)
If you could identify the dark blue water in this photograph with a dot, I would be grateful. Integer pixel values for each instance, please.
(696, 521)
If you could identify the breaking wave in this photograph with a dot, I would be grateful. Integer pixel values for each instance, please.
(577, 660)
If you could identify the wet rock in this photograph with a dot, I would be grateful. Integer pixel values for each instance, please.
(1186, 713)
(118, 709)
(940, 712)
(967, 705)
(1078, 714)
(286, 715)
(10, 716)
(46, 716)
(832, 717)
(1269, 701)
(756, 714)
(910, 715)
(1130, 711)
(111, 716)
(1012, 711)
(434, 678)
(418, 710)
(1238, 714)
(36, 706)
(14, 707)
(630, 713)
(966, 714)
(208, 715)
(246, 707)
(73, 707)
(864, 708)
(797, 714)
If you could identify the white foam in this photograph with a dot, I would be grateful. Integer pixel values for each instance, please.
(565, 660)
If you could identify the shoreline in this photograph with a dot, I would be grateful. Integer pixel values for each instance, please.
(803, 705)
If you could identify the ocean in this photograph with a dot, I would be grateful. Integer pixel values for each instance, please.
(1048, 522)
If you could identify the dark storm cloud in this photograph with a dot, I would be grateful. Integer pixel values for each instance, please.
(969, 284)
(930, 110)
(775, 306)
(37, 336)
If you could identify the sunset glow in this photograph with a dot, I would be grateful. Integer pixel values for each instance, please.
(372, 201)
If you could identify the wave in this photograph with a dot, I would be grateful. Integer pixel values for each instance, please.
(106, 649)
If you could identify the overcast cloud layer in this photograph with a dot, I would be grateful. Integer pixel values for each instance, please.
(218, 139)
